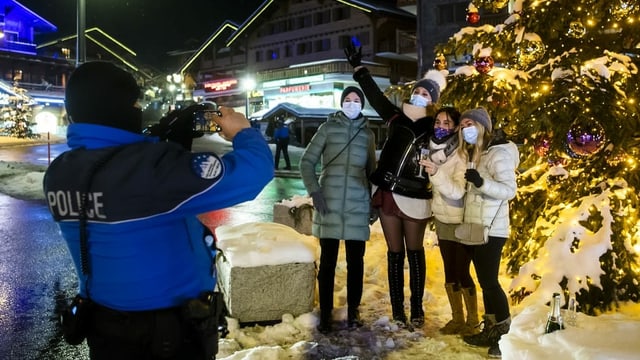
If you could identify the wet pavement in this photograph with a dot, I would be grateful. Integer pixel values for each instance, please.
(36, 272)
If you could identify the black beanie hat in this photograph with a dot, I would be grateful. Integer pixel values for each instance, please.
(348, 90)
(434, 82)
(101, 93)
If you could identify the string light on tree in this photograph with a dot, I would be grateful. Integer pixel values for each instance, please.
(572, 106)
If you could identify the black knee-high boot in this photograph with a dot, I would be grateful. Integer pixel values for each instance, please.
(325, 297)
(417, 274)
(355, 274)
(395, 272)
(326, 278)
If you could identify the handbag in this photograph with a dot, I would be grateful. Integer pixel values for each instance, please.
(472, 233)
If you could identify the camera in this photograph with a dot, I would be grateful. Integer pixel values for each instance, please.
(203, 120)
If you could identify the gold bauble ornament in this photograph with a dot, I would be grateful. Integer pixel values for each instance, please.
(576, 30)
(529, 53)
(440, 62)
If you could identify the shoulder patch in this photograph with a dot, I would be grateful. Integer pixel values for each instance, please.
(207, 166)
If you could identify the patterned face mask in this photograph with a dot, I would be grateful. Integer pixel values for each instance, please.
(351, 109)
(440, 133)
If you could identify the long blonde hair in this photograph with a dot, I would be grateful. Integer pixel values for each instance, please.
(472, 152)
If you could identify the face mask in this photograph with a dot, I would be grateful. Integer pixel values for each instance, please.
(418, 100)
(351, 109)
(470, 134)
(440, 133)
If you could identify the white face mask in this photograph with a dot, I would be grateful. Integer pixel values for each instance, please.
(470, 134)
(418, 100)
(351, 109)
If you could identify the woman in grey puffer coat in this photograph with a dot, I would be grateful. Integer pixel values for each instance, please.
(345, 148)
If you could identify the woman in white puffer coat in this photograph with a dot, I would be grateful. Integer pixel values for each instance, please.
(446, 168)
(487, 202)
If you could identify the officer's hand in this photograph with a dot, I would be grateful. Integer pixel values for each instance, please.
(177, 126)
(354, 56)
(230, 122)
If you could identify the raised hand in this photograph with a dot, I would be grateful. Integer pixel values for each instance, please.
(354, 55)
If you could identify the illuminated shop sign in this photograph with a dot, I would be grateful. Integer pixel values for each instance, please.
(294, 88)
(220, 85)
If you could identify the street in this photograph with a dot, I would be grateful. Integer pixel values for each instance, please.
(36, 273)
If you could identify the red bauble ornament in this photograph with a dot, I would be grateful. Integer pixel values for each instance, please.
(473, 17)
(483, 64)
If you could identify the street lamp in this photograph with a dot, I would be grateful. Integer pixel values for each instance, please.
(248, 84)
(175, 86)
(81, 45)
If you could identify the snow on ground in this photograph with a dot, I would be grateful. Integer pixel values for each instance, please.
(609, 336)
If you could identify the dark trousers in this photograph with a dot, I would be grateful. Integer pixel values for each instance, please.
(142, 335)
(282, 146)
(456, 258)
(486, 260)
(326, 274)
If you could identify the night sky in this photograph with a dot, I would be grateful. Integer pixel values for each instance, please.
(150, 27)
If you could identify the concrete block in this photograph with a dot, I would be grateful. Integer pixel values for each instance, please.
(298, 215)
(265, 270)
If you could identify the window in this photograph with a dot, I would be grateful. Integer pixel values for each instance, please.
(364, 38)
(341, 13)
(452, 13)
(359, 40)
(322, 17)
(259, 57)
(322, 45)
(303, 22)
(288, 50)
(304, 48)
(344, 41)
(273, 54)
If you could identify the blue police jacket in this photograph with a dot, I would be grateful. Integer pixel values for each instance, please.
(145, 244)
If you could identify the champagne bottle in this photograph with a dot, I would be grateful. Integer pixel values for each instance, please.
(554, 322)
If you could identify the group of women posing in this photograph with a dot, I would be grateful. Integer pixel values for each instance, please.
(467, 172)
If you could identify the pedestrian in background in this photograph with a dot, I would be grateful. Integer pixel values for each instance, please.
(281, 137)
(344, 146)
(491, 174)
(401, 193)
(126, 205)
(446, 169)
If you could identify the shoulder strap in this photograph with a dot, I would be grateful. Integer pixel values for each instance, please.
(84, 241)
(345, 147)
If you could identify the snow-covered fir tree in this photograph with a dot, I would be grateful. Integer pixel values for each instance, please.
(16, 115)
(560, 78)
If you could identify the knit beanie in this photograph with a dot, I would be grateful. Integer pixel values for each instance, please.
(350, 89)
(479, 115)
(434, 82)
(101, 93)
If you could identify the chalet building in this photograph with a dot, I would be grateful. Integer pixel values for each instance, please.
(293, 51)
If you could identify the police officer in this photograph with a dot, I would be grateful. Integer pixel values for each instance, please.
(126, 204)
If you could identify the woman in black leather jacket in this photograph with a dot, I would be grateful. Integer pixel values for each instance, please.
(399, 193)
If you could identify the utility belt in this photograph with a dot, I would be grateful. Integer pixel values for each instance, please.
(199, 320)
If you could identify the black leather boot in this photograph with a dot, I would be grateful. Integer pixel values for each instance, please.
(395, 272)
(417, 274)
(326, 275)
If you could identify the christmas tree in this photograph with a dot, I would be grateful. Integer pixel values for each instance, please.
(560, 78)
(17, 115)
